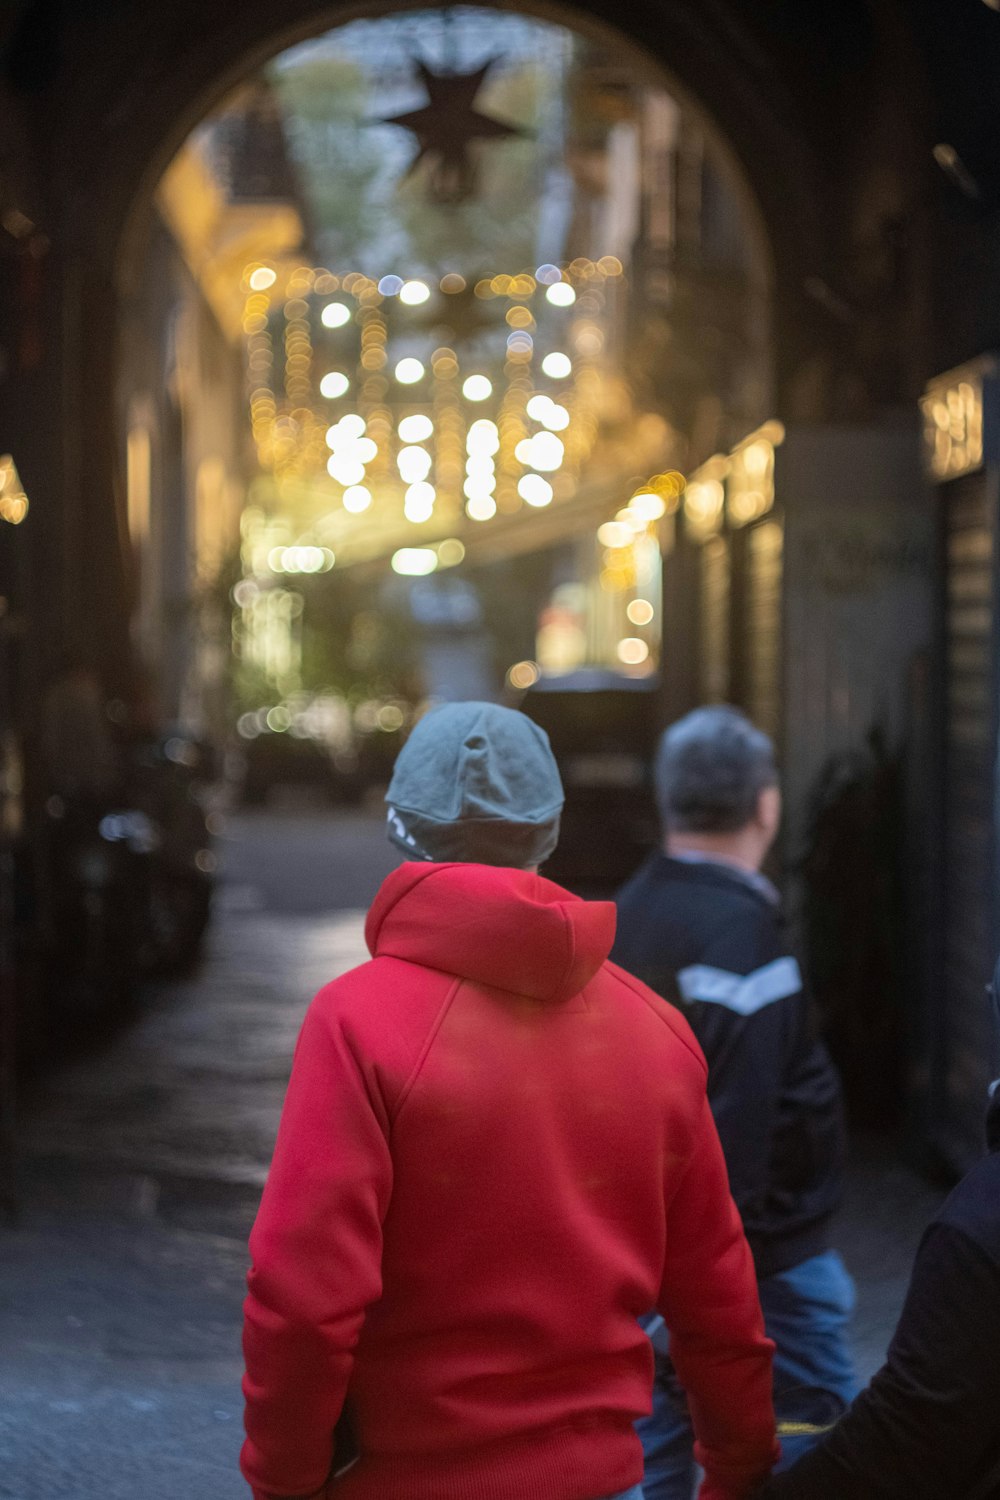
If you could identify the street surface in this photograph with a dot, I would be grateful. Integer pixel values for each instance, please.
(121, 1287)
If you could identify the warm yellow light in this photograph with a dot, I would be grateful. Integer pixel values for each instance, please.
(480, 466)
(547, 451)
(534, 490)
(413, 464)
(262, 278)
(333, 385)
(363, 449)
(519, 317)
(415, 429)
(589, 339)
(557, 365)
(615, 534)
(647, 506)
(13, 500)
(357, 498)
(538, 406)
(634, 522)
(556, 417)
(335, 315)
(757, 458)
(632, 651)
(561, 294)
(451, 552)
(418, 502)
(483, 437)
(477, 388)
(640, 611)
(523, 674)
(477, 486)
(409, 371)
(414, 562)
(353, 425)
(414, 292)
(344, 469)
(610, 265)
(482, 508)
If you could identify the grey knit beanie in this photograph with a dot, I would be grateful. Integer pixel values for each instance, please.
(476, 783)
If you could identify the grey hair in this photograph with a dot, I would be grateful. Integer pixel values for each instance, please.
(711, 767)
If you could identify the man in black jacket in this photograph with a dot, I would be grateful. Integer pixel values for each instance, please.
(701, 924)
(926, 1427)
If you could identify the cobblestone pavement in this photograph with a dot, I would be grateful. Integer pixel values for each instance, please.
(121, 1287)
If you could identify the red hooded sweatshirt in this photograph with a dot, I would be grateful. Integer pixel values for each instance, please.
(495, 1154)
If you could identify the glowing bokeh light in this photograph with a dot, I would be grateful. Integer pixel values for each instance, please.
(451, 552)
(335, 384)
(345, 470)
(640, 611)
(391, 286)
(414, 562)
(415, 429)
(481, 508)
(632, 651)
(409, 371)
(543, 451)
(548, 274)
(480, 464)
(534, 490)
(335, 315)
(483, 437)
(357, 498)
(615, 534)
(418, 502)
(557, 365)
(479, 486)
(262, 278)
(556, 418)
(561, 294)
(477, 388)
(300, 559)
(413, 464)
(352, 425)
(523, 674)
(413, 293)
(647, 506)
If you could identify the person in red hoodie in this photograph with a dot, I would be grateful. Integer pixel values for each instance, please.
(495, 1154)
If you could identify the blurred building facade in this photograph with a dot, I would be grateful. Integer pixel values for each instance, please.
(831, 565)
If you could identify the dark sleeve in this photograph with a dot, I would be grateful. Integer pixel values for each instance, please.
(926, 1427)
(744, 1001)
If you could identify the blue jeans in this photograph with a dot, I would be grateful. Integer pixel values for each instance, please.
(806, 1311)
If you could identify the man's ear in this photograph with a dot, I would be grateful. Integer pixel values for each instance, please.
(769, 810)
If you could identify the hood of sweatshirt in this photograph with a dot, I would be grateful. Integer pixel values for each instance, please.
(504, 928)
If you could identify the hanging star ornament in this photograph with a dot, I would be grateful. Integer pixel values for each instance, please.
(447, 127)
